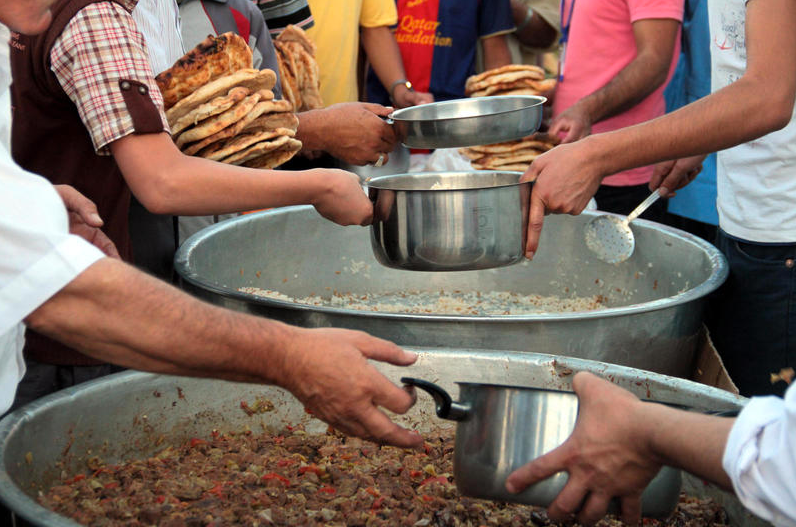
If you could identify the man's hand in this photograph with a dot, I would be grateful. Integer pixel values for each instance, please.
(342, 199)
(572, 124)
(356, 133)
(329, 372)
(608, 455)
(564, 183)
(671, 176)
(84, 220)
(404, 97)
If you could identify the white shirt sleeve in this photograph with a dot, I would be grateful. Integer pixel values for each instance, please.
(760, 457)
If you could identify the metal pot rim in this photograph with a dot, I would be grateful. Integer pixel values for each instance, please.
(534, 100)
(382, 182)
(718, 275)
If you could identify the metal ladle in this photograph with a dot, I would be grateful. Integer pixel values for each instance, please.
(610, 238)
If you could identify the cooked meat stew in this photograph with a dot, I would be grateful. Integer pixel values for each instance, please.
(295, 478)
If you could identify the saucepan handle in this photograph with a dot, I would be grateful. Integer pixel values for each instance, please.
(445, 406)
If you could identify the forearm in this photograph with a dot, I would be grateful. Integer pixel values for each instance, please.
(496, 52)
(383, 54)
(688, 440)
(119, 315)
(722, 123)
(312, 131)
(169, 182)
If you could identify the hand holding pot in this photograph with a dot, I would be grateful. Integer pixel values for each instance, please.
(608, 455)
(339, 197)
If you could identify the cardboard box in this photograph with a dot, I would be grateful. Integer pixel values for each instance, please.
(708, 366)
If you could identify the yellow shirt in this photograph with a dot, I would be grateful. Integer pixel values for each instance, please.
(336, 35)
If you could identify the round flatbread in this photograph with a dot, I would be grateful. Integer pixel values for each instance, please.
(256, 150)
(222, 149)
(209, 109)
(276, 158)
(517, 167)
(216, 123)
(272, 121)
(212, 58)
(248, 78)
(504, 69)
(505, 79)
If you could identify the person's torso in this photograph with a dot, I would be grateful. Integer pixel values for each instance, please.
(158, 21)
(600, 44)
(756, 183)
(336, 36)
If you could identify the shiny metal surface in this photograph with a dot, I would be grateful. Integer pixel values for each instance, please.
(468, 122)
(449, 221)
(130, 415)
(654, 300)
(611, 238)
(397, 163)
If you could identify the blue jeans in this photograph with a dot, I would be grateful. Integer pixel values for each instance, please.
(752, 317)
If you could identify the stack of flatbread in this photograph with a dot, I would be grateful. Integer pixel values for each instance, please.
(298, 69)
(510, 155)
(220, 108)
(514, 79)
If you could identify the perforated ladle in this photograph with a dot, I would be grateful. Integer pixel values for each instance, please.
(610, 237)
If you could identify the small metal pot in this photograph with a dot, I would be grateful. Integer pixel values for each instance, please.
(449, 221)
(468, 122)
(501, 428)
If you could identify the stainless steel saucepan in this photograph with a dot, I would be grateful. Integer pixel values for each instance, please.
(468, 122)
(500, 428)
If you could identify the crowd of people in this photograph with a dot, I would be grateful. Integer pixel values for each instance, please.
(92, 186)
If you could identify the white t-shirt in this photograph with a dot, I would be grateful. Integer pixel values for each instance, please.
(38, 256)
(756, 180)
(761, 455)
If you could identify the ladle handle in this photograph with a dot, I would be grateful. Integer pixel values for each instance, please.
(644, 205)
(445, 406)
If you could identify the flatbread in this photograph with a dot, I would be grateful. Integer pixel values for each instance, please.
(519, 167)
(288, 74)
(212, 58)
(500, 88)
(272, 121)
(310, 86)
(209, 109)
(502, 148)
(277, 157)
(222, 149)
(253, 79)
(514, 158)
(293, 33)
(504, 78)
(504, 69)
(216, 123)
(232, 130)
(471, 154)
(256, 150)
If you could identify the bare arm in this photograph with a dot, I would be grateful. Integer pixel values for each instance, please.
(537, 32)
(496, 52)
(168, 182)
(120, 315)
(655, 41)
(618, 445)
(385, 59)
(758, 103)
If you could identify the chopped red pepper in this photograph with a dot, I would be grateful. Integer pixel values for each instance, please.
(327, 490)
(196, 441)
(75, 479)
(286, 462)
(245, 407)
(278, 477)
(377, 503)
(311, 468)
(439, 479)
(112, 485)
(415, 473)
(427, 498)
(427, 448)
(278, 440)
(290, 427)
(100, 471)
(217, 490)
(160, 499)
(308, 411)
(372, 491)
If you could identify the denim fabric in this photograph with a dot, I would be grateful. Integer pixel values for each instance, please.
(752, 317)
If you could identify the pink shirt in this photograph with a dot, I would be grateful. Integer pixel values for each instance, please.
(600, 45)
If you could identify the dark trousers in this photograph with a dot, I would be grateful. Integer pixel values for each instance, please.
(622, 200)
(752, 317)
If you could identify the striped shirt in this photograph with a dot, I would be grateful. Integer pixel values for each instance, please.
(99, 47)
(279, 14)
(159, 22)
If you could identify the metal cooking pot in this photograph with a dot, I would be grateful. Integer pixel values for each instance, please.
(500, 428)
(132, 415)
(449, 221)
(468, 122)
(397, 163)
(653, 301)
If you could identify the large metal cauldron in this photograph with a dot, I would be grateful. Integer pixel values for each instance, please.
(655, 299)
(130, 415)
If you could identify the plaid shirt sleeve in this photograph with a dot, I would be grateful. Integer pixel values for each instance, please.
(100, 47)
